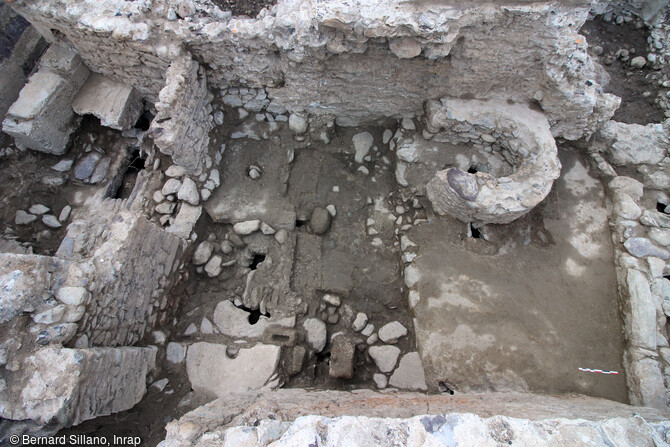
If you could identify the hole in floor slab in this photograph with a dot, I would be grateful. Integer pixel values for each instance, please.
(258, 258)
(474, 232)
(254, 314)
(472, 169)
(662, 207)
(445, 387)
(300, 223)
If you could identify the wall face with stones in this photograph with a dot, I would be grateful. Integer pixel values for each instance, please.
(315, 56)
(641, 236)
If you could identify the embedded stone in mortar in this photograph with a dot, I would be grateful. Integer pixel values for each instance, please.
(524, 140)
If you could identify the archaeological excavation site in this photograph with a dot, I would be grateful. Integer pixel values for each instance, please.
(335, 223)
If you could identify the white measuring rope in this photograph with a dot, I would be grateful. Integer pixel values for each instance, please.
(600, 371)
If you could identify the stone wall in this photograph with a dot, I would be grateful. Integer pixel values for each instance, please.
(132, 266)
(316, 56)
(366, 417)
(516, 134)
(638, 205)
(181, 127)
(68, 386)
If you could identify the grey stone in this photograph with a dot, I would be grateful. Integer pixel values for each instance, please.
(643, 311)
(297, 123)
(191, 329)
(38, 209)
(165, 207)
(320, 220)
(72, 296)
(51, 221)
(189, 192)
(203, 252)
(234, 322)
(360, 321)
(100, 171)
(85, 167)
(409, 375)
(342, 358)
(380, 380)
(247, 227)
(206, 326)
(331, 299)
(385, 357)
(362, 144)
(641, 247)
(65, 213)
(63, 166)
(23, 218)
(226, 248)
(463, 183)
(50, 316)
(296, 360)
(659, 235)
(638, 62)
(175, 352)
(391, 332)
(317, 334)
(175, 171)
(171, 186)
(405, 47)
(213, 267)
(281, 236)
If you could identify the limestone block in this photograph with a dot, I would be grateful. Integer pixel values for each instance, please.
(117, 105)
(42, 118)
(211, 371)
(68, 386)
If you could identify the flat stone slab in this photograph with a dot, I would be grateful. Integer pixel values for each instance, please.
(35, 96)
(241, 198)
(117, 105)
(212, 372)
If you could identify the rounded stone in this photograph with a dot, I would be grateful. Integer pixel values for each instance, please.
(320, 220)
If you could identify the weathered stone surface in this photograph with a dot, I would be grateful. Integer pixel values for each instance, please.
(234, 322)
(247, 227)
(391, 332)
(385, 357)
(175, 352)
(409, 375)
(23, 218)
(362, 144)
(189, 192)
(320, 220)
(464, 184)
(405, 47)
(117, 105)
(641, 247)
(73, 385)
(360, 321)
(213, 267)
(342, 358)
(633, 144)
(212, 372)
(345, 418)
(317, 334)
(186, 218)
(72, 296)
(203, 252)
(181, 127)
(642, 311)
